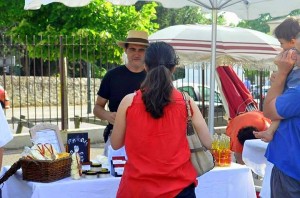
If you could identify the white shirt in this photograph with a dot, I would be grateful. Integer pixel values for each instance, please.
(5, 133)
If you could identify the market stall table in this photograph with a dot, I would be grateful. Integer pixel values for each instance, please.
(254, 157)
(227, 182)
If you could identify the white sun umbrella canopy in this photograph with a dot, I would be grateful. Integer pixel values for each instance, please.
(245, 9)
(234, 45)
(36, 4)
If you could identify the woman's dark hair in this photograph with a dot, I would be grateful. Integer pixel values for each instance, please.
(160, 60)
(288, 29)
(246, 133)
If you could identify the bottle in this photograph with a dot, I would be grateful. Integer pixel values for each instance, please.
(215, 149)
(225, 153)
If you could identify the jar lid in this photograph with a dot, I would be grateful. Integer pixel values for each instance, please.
(90, 173)
(96, 165)
(104, 171)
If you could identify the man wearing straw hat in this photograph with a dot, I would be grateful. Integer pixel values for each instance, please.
(122, 80)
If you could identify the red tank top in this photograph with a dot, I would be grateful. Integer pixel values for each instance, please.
(157, 149)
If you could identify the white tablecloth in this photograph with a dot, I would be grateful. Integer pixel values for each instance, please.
(253, 156)
(229, 182)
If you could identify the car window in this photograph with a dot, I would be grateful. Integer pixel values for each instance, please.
(217, 96)
(206, 93)
(190, 90)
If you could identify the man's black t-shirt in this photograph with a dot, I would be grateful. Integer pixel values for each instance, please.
(119, 82)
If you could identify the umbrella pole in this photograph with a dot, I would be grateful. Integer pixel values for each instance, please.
(212, 71)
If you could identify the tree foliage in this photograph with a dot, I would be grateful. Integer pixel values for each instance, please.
(99, 19)
(12, 12)
(261, 23)
(187, 15)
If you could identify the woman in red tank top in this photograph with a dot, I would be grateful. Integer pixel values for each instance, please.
(151, 123)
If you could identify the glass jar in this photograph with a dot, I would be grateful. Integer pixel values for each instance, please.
(96, 167)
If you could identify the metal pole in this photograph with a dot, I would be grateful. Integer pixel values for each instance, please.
(260, 90)
(63, 90)
(4, 72)
(212, 71)
(89, 107)
(203, 92)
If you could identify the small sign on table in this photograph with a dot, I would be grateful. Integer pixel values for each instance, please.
(79, 142)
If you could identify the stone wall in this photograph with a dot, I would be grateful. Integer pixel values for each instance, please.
(38, 91)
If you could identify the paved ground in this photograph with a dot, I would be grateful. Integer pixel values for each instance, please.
(11, 156)
(35, 115)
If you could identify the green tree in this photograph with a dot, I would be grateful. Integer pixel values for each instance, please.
(100, 19)
(187, 15)
(12, 12)
(259, 24)
(295, 12)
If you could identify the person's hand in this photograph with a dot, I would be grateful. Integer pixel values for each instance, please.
(112, 117)
(285, 61)
(265, 136)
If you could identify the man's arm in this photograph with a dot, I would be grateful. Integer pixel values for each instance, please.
(1, 156)
(100, 112)
(284, 62)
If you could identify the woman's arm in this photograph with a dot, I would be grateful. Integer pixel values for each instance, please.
(200, 125)
(118, 133)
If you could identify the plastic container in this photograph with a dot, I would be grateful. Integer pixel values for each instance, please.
(96, 167)
(104, 173)
(221, 150)
(222, 157)
(90, 175)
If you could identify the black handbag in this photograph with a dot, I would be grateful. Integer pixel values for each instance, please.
(201, 158)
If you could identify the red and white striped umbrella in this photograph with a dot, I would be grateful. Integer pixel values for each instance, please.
(234, 45)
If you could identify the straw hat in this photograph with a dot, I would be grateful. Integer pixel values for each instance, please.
(135, 37)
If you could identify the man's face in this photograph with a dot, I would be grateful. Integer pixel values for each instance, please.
(136, 55)
(286, 45)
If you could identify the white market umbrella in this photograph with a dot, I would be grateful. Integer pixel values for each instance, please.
(250, 48)
(245, 9)
(234, 45)
(36, 4)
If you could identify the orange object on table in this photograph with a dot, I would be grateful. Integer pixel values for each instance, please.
(221, 150)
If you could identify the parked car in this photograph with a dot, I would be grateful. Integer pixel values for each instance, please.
(255, 90)
(195, 91)
(265, 90)
(4, 100)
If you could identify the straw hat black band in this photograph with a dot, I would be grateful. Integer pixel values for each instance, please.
(135, 37)
(136, 40)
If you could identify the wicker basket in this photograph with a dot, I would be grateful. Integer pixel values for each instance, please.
(45, 170)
